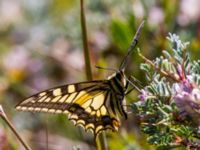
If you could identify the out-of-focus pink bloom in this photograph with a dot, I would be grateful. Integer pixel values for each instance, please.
(18, 63)
(143, 95)
(100, 40)
(10, 12)
(35, 66)
(71, 58)
(16, 59)
(3, 140)
(187, 98)
(189, 11)
(39, 83)
(138, 9)
(156, 16)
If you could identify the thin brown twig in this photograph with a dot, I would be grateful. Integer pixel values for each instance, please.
(162, 72)
(46, 133)
(182, 64)
(4, 117)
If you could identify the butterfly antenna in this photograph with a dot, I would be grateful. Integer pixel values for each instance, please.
(132, 46)
(111, 69)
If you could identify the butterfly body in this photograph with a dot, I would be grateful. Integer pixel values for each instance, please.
(119, 85)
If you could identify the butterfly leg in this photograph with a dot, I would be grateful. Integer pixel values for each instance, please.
(132, 84)
(129, 91)
(136, 81)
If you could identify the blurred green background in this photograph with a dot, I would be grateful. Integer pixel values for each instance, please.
(41, 47)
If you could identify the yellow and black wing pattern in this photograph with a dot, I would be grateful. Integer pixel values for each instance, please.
(95, 105)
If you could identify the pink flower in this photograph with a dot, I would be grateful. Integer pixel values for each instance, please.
(3, 140)
(143, 95)
(187, 98)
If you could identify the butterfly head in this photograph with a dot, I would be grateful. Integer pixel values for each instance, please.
(119, 77)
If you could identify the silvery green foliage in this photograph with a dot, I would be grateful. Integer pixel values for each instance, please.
(169, 106)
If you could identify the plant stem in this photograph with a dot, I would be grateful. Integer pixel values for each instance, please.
(46, 134)
(162, 72)
(4, 117)
(101, 139)
(85, 43)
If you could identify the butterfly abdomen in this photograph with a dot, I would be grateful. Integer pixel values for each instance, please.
(118, 83)
(118, 86)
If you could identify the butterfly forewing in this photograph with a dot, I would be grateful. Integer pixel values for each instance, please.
(58, 97)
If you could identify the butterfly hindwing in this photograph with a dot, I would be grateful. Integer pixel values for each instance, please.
(87, 104)
(94, 114)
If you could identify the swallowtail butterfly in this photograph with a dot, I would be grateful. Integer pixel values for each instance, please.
(96, 105)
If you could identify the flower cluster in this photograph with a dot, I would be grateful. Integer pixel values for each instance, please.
(169, 106)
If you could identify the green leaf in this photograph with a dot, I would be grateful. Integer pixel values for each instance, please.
(121, 34)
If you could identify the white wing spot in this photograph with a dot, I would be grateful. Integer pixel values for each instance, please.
(98, 113)
(47, 100)
(23, 108)
(27, 100)
(42, 94)
(93, 113)
(81, 122)
(87, 104)
(103, 110)
(73, 116)
(63, 99)
(55, 99)
(71, 98)
(89, 110)
(66, 112)
(71, 88)
(51, 110)
(58, 111)
(100, 127)
(98, 101)
(81, 94)
(42, 99)
(57, 92)
(37, 109)
(89, 126)
(18, 107)
(45, 109)
(31, 108)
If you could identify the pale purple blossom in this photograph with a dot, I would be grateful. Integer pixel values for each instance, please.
(16, 59)
(187, 97)
(138, 9)
(156, 16)
(189, 11)
(3, 140)
(10, 13)
(143, 95)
